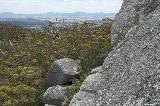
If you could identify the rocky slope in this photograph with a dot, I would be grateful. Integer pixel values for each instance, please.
(130, 75)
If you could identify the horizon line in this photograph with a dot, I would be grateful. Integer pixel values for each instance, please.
(60, 12)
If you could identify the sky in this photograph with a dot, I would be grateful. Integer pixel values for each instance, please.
(66, 6)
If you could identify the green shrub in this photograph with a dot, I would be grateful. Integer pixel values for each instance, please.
(26, 56)
(85, 42)
(20, 95)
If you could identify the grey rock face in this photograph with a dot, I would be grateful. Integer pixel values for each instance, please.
(84, 99)
(62, 72)
(131, 72)
(55, 96)
(131, 14)
(124, 21)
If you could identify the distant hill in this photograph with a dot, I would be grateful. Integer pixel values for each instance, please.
(36, 21)
(24, 21)
(12, 15)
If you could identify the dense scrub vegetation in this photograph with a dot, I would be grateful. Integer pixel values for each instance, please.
(26, 56)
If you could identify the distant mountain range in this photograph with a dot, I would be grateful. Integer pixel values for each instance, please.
(52, 14)
(24, 21)
(39, 20)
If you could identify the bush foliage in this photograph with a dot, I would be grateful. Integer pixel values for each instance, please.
(26, 55)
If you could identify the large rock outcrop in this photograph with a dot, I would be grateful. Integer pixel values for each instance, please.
(131, 72)
(131, 14)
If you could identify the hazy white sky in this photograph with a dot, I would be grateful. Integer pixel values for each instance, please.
(42, 6)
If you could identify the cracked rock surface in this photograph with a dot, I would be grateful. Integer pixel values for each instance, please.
(131, 72)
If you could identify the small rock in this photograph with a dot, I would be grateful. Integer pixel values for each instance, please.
(96, 70)
(92, 83)
(83, 99)
(55, 96)
(62, 72)
(49, 105)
